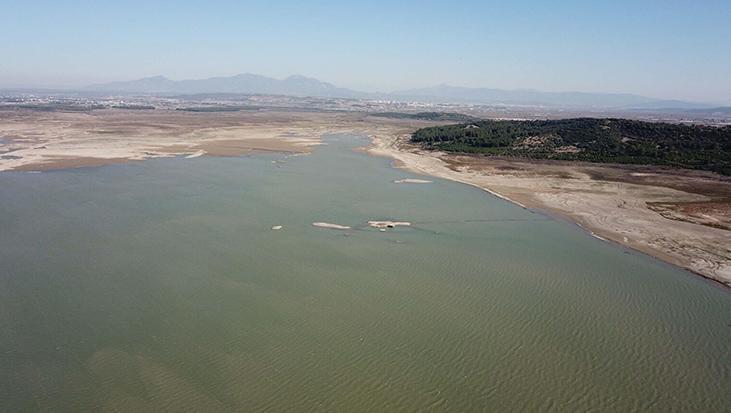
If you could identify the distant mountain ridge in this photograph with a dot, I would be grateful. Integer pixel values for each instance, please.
(447, 93)
(244, 83)
(306, 86)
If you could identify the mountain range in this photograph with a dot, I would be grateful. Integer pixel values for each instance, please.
(241, 84)
(306, 86)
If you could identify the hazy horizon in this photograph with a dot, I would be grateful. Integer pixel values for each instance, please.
(655, 49)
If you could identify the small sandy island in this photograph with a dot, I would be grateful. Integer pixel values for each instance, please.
(388, 224)
(329, 225)
(682, 217)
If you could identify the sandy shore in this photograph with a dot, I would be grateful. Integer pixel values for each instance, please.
(681, 217)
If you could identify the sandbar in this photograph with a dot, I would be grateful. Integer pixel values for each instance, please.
(329, 225)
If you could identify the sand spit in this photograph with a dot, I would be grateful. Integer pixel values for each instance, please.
(412, 181)
(329, 225)
(388, 224)
(613, 202)
(196, 154)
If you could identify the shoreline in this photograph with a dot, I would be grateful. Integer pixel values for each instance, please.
(634, 250)
(685, 252)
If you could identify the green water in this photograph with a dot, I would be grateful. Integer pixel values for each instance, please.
(160, 286)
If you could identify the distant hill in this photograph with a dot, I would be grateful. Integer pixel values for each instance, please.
(589, 139)
(708, 111)
(243, 84)
(306, 86)
(585, 100)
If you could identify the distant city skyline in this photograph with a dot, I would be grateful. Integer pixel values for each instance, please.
(659, 49)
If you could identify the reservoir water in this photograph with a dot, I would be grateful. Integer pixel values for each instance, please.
(161, 286)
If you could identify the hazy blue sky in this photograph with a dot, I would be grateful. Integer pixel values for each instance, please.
(668, 49)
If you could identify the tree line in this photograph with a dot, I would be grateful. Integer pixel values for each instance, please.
(589, 139)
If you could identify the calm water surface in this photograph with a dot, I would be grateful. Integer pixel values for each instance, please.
(160, 286)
